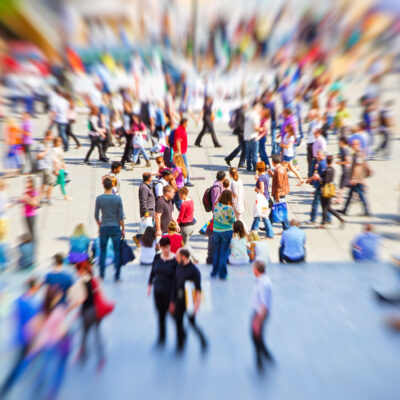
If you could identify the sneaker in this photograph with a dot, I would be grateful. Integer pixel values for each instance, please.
(148, 165)
(228, 162)
(218, 146)
(50, 202)
(198, 145)
(189, 184)
(341, 212)
(310, 222)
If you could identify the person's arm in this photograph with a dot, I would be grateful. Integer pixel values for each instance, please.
(197, 286)
(252, 251)
(151, 277)
(178, 145)
(121, 217)
(158, 224)
(172, 305)
(97, 212)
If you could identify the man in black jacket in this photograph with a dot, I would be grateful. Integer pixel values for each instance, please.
(147, 200)
(238, 129)
(185, 271)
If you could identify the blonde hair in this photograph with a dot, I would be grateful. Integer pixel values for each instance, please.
(253, 236)
(179, 162)
(172, 226)
(79, 230)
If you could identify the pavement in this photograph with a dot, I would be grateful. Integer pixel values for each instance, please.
(326, 331)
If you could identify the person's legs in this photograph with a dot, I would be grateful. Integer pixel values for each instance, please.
(315, 204)
(256, 223)
(143, 151)
(269, 232)
(200, 135)
(88, 320)
(324, 204)
(213, 134)
(263, 151)
(242, 145)
(62, 132)
(100, 148)
(309, 158)
(185, 160)
(226, 238)
(128, 147)
(136, 152)
(199, 332)
(92, 146)
(61, 181)
(72, 135)
(360, 190)
(248, 154)
(116, 239)
(162, 303)
(217, 249)
(234, 153)
(294, 170)
(254, 153)
(104, 236)
(180, 331)
(210, 249)
(281, 256)
(352, 190)
(30, 222)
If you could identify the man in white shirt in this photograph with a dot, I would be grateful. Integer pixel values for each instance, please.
(59, 115)
(261, 309)
(251, 131)
(319, 144)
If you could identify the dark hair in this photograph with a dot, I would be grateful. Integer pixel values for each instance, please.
(344, 140)
(276, 158)
(238, 228)
(220, 175)
(182, 121)
(58, 258)
(149, 236)
(233, 172)
(329, 160)
(260, 166)
(166, 172)
(107, 183)
(146, 176)
(226, 183)
(184, 252)
(31, 283)
(226, 197)
(164, 241)
(115, 165)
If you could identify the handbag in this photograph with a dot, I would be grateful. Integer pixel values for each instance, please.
(126, 253)
(102, 306)
(279, 212)
(328, 190)
(137, 140)
(261, 207)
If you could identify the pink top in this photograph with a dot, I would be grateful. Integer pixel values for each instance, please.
(27, 129)
(180, 181)
(29, 210)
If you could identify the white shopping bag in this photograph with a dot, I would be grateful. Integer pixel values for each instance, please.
(205, 303)
(261, 207)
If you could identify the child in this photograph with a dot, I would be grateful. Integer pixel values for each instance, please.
(59, 165)
(175, 238)
(148, 244)
(238, 245)
(145, 222)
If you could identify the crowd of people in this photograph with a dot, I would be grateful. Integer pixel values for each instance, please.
(289, 115)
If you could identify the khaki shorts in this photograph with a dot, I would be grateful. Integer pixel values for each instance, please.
(47, 177)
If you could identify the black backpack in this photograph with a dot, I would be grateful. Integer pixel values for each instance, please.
(207, 200)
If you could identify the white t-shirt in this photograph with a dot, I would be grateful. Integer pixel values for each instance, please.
(262, 251)
(147, 254)
(262, 293)
(61, 109)
(251, 119)
(289, 152)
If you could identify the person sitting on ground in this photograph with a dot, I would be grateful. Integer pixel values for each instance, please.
(366, 246)
(175, 238)
(238, 245)
(258, 248)
(292, 249)
(148, 246)
(79, 245)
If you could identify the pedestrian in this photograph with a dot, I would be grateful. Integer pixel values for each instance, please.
(262, 187)
(328, 177)
(312, 126)
(71, 114)
(59, 116)
(128, 120)
(161, 280)
(139, 133)
(186, 271)
(116, 168)
(238, 129)
(176, 240)
(292, 248)
(27, 142)
(167, 179)
(367, 245)
(237, 189)
(386, 125)
(96, 136)
(288, 144)
(148, 246)
(164, 208)
(45, 167)
(59, 166)
(180, 174)
(208, 123)
(359, 171)
(238, 247)
(186, 219)
(264, 132)
(345, 162)
(224, 218)
(111, 225)
(30, 201)
(180, 145)
(261, 309)
(147, 200)
(251, 133)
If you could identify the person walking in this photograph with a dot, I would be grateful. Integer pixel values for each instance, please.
(261, 309)
(128, 120)
(96, 135)
(224, 218)
(59, 165)
(359, 171)
(238, 129)
(111, 225)
(45, 167)
(161, 281)
(164, 208)
(27, 142)
(208, 123)
(287, 144)
(237, 190)
(139, 134)
(251, 136)
(59, 115)
(345, 162)
(328, 177)
(264, 132)
(180, 145)
(292, 248)
(71, 115)
(186, 271)
(30, 201)
(179, 173)
(147, 200)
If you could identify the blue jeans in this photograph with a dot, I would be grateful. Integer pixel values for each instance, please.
(113, 233)
(137, 151)
(184, 156)
(62, 132)
(315, 204)
(358, 188)
(252, 147)
(222, 240)
(275, 146)
(267, 223)
(177, 201)
(263, 152)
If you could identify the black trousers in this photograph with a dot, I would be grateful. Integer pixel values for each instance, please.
(161, 301)
(326, 208)
(208, 126)
(241, 148)
(30, 223)
(288, 260)
(180, 330)
(128, 150)
(29, 155)
(90, 321)
(95, 142)
(309, 158)
(71, 135)
(259, 345)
